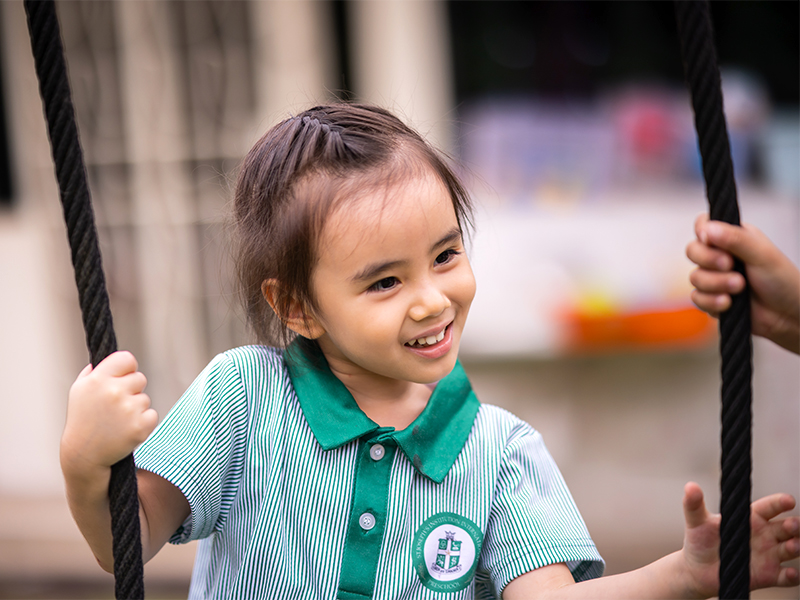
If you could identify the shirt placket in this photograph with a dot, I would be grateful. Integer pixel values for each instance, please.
(367, 521)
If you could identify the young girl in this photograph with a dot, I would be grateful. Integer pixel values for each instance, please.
(357, 462)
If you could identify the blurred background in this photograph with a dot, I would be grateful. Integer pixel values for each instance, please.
(571, 127)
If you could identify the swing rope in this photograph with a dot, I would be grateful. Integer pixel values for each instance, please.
(703, 78)
(54, 89)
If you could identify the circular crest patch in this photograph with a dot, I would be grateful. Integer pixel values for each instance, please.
(446, 551)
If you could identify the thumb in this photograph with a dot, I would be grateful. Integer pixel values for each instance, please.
(694, 507)
(85, 371)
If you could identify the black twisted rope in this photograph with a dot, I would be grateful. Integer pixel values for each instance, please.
(54, 88)
(702, 75)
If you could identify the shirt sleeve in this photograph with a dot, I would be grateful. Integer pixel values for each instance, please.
(534, 521)
(200, 447)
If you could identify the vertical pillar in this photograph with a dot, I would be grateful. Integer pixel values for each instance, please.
(401, 60)
(163, 211)
(294, 57)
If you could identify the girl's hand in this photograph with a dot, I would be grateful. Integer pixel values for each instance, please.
(774, 279)
(108, 415)
(772, 542)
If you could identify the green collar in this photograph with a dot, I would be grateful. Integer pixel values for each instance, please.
(432, 442)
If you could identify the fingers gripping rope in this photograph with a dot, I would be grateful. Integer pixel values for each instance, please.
(74, 191)
(703, 78)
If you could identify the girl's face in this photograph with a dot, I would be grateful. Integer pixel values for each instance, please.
(393, 284)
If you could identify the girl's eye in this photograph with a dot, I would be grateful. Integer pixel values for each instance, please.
(446, 256)
(384, 284)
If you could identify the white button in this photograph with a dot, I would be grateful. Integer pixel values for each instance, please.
(377, 452)
(367, 521)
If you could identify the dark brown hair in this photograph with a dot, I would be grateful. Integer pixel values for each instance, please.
(293, 177)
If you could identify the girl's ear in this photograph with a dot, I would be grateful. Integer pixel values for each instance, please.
(296, 318)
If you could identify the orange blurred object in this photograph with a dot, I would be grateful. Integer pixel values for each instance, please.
(660, 329)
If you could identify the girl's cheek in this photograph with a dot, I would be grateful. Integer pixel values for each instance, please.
(469, 285)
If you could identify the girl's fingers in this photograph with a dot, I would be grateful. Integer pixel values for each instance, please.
(694, 507)
(787, 529)
(140, 419)
(792, 527)
(150, 419)
(118, 364)
(147, 423)
(788, 577)
(135, 382)
(140, 401)
(789, 550)
(120, 368)
(770, 507)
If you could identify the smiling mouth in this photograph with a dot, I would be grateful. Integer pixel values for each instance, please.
(427, 341)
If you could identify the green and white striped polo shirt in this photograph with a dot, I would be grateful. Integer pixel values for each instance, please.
(296, 493)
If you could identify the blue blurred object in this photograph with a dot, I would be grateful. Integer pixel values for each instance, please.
(780, 147)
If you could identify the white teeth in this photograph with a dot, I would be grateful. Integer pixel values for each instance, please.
(428, 341)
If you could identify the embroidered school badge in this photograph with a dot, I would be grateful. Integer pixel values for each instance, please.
(446, 551)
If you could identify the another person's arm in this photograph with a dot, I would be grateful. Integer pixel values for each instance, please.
(108, 415)
(774, 280)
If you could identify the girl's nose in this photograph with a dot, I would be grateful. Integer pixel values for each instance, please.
(429, 302)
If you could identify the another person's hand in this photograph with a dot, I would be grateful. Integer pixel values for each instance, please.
(774, 280)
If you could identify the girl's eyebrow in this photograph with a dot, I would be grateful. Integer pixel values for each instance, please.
(373, 270)
(452, 236)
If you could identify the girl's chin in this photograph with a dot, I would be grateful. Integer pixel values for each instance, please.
(436, 373)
